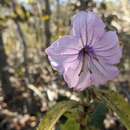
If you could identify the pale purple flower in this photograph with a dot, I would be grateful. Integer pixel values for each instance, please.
(87, 56)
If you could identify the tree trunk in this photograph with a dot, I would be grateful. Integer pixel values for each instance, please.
(57, 16)
(82, 5)
(25, 52)
(8, 90)
(47, 23)
(24, 44)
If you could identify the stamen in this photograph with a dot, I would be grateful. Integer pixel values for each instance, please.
(90, 70)
(86, 51)
(82, 53)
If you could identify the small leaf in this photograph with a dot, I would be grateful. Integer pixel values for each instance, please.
(121, 107)
(117, 103)
(99, 115)
(45, 18)
(70, 124)
(54, 114)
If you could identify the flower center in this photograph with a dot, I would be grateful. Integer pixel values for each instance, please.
(86, 50)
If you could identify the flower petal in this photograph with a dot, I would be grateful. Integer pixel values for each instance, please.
(72, 71)
(63, 51)
(108, 48)
(85, 80)
(88, 26)
(102, 72)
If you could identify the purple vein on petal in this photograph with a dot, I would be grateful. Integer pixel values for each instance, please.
(107, 55)
(87, 29)
(82, 41)
(66, 54)
(71, 61)
(92, 37)
(99, 39)
(72, 49)
(98, 68)
(106, 49)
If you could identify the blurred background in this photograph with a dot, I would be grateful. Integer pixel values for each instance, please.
(28, 84)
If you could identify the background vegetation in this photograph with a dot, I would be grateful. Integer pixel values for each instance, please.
(28, 85)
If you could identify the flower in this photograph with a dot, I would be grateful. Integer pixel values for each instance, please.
(88, 56)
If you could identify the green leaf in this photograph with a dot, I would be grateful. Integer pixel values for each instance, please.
(54, 114)
(71, 124)
(99, 115)
(117, 103)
